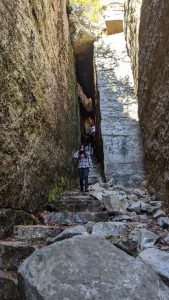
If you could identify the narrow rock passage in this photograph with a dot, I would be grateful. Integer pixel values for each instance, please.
(122, 147)
(111, 243)
(96, 173)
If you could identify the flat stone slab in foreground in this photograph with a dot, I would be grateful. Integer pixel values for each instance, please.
(88, 268)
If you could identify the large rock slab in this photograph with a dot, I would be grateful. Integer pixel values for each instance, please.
(108, 229)
(75, 204)
(35, 233)
(13, 253)
(122, 145)
(158, 260)
(87, 268)
(38, 102)
(71, 218)
(146, 22)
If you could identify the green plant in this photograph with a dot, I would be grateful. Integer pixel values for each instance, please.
(61, 184)
(58, 187)
(92, 8)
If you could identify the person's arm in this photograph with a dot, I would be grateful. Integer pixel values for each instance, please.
(76, 155)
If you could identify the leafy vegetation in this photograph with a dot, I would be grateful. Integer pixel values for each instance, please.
(92, 8)
(61, 184)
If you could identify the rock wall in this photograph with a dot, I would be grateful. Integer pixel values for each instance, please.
(122, 146)
(131, 29)
(153, 78)
(39, 110)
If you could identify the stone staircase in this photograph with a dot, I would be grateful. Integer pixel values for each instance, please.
(74, 210)
(96, 173)
(71, 208)
(126, 221)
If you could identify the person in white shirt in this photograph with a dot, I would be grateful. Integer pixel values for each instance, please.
(84, 165)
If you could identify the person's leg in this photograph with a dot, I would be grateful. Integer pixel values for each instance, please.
(86, 174)
(81, 178)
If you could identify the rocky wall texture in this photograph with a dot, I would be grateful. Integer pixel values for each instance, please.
(153, 91)
(38, 101)
(131, 29)
(122, 145)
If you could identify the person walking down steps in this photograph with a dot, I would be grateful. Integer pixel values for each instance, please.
(84, 165)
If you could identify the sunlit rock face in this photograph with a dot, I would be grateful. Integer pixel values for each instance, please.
(113, 16)
(39, 114)
(153, 77)
(123, 156)
(81, 36)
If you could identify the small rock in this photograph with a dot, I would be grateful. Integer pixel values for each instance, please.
(151, 210)
(144, 206)
(132, 197)
(135, 206)
(68, 233)
(124, 243)
(156, 203)
(147, 199)
(146, 239)
(133, 216)
(144, 184)
(143, 218)
(108, 229)
(133, 235)
(158, 260)
(166, 239)
(98, 195)
(158, 214)
(122, 218)
(89, 226)
(96, 187)
(118, 187)
(116, 202)
(139, 192)
(110, 182)
(163, 222)
(141, 225)
(154, 198)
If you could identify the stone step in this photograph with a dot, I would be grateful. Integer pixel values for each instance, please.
(71, 218)
(35, 233)
(13, 253)
(76, 197)
(75, 207)
(9, 286)
(73, 204)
